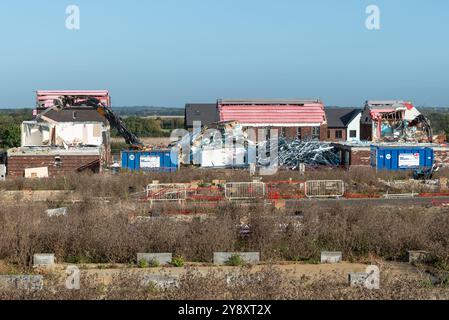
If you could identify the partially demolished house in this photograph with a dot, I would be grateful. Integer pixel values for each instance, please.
(295, 119)
(230, 120)
(394, 121)
(395, 124)
(58, 142)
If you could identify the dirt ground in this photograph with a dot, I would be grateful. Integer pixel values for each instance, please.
(105, 273)
(148, 141)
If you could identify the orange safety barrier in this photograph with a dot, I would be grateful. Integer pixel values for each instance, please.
(440, 203)
(433, 194)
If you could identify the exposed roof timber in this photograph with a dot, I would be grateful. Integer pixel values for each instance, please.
(385, 102)
(72, 92)
(45, 97)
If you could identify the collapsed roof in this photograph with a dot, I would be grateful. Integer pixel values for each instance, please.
(377, 108)
(45, 98)
(398, 121)
(74, 114)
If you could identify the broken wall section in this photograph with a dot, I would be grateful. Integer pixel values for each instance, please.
(64, 134)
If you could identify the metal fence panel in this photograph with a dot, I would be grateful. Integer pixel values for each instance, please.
(244, 190)
(167, 192)
(325, 188)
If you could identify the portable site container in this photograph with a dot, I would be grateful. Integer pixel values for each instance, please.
(151, 161)
(401, 158)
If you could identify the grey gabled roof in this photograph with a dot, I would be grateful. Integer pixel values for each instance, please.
(340, 117)
(207, 113)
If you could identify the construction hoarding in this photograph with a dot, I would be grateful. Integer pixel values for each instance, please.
(324, 188)
(244, 190)
(166, 192)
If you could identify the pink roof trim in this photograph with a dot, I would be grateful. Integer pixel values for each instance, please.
(47, 96)
(273, 114)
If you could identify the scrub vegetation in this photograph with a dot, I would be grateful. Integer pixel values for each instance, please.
(106, 225)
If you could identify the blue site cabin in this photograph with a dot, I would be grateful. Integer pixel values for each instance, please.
(401, 158)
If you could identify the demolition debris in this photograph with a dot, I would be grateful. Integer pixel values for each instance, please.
(293, 153)
(394, 121)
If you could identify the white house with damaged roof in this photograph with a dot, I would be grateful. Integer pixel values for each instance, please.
(394, 121)
(58, 142)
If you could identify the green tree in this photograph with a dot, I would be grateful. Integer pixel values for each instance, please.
(143, 127)
(9, 132)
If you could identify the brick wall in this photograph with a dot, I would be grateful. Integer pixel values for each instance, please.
(306, 133)
(350, 156)
(360, 158)
(291, 133)
(333, 137)
(68, 164)
(323, 132)
(366, 132)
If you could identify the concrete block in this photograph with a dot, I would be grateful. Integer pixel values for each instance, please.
(220, 258)
(43, 260)
(36, 172)
(357, 279)
(2, 172)
(415, 256)
(331, 257)
(160, 281)
(161, 258)
(21, 282)
(57, 212)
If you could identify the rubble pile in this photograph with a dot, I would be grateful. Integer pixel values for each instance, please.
(292, 153)
(402, 130)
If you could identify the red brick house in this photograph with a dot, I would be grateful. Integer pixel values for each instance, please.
(295, 119)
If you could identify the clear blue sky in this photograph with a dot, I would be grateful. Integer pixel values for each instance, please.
(169, 52)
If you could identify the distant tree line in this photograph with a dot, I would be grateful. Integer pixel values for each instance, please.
(148, 111)
(10, 126)
(145, 127)
(439, 119)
